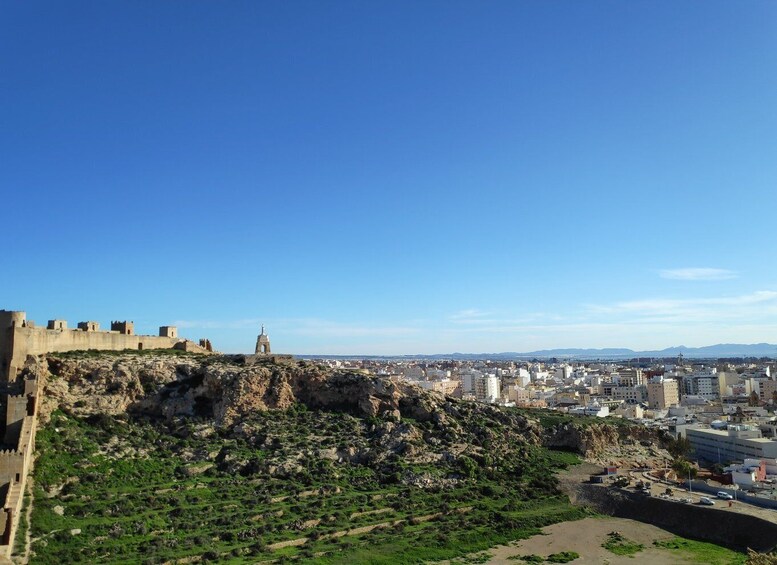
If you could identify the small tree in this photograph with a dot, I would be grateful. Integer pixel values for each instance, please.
(680, 447)
(684, 469)
(754, 400)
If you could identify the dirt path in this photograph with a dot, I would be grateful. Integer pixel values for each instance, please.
(586, 537)
(363, 529)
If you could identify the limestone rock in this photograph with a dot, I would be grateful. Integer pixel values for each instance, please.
(226, 390)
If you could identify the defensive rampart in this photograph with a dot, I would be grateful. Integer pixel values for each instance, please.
(16, 459)
(36, 341)
(20, 338)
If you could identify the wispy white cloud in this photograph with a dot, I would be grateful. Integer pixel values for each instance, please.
(657, 305)
(482, 318)
(698, 274)
(645, 323)
(755, 305)
(469, 314)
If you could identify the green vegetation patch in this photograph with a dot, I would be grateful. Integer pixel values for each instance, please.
(562, 557)
(619, 545)
(701, 552)
(299, 484)
(100, 353)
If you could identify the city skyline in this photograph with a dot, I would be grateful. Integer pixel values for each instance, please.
(395, 178)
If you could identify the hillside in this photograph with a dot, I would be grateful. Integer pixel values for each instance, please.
(157, 457)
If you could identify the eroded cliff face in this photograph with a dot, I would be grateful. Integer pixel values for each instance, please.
(608, 444)
(588, 440)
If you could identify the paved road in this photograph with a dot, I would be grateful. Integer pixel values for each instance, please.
(658, 487)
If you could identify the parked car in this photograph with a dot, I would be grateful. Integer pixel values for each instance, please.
(724, 495)
(707, 501)
(686, 500)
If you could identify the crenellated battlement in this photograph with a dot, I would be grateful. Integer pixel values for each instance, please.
(20, 337)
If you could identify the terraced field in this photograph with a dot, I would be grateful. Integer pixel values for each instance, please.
(132, 490)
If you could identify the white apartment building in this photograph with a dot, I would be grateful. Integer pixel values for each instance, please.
(522, 377)
(538, 375)
(737, 443)
(706, 385)
(488, 388)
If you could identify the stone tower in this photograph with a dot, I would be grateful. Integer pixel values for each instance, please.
(262, 343)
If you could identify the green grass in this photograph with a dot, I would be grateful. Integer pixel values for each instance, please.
(620, 545)
(141, 501)
(562, 557)
(96, 353)
(701, 552)
(21, 531)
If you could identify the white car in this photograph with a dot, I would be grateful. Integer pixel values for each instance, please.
(707, 501)
(724, 496)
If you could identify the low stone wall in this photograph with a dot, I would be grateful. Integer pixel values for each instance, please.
(731, 529)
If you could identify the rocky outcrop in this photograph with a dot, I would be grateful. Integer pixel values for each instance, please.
(388, 425)
(605, 443)
(227, 389)
(589, 441)
(105, 384)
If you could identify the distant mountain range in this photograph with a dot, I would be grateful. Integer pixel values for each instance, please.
(721, 350)
(706, 352)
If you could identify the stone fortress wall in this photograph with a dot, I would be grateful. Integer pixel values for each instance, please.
(19, 338)
(15, 459)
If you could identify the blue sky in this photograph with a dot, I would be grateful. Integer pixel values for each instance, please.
(394, 177)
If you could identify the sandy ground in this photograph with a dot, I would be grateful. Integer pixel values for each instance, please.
(586, 537)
